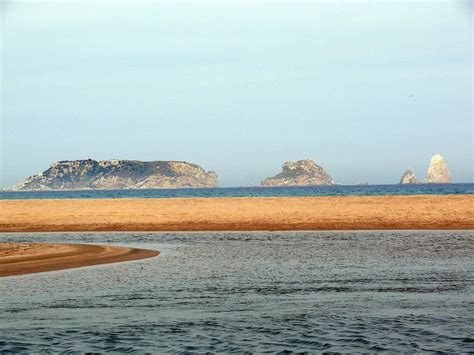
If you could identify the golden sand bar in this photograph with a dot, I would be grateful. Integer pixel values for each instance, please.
(239, 213)
(25, 258)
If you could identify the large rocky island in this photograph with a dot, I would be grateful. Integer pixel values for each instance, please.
(300, 173)
(119, 174)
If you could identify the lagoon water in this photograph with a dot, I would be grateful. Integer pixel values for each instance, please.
(261, 291)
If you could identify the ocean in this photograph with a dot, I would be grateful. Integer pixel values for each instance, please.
(341, 291)
(337, 190)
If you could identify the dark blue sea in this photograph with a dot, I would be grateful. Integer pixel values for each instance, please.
(338, 190)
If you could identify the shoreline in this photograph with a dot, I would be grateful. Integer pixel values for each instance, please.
(236, 231)
(26, 258)
(391, 212)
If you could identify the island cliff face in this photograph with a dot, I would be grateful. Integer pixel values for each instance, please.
(409, 178)
(438, 172)
(119, 174)
(299, 173)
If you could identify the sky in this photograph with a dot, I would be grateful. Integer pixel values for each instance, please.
(365, 89)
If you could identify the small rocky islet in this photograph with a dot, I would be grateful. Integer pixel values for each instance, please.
(299, 173)
(408, 177)
(438, 173)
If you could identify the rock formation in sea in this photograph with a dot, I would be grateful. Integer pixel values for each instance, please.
(438, 172)
(408, 178)
(119, 174)
(299, 173)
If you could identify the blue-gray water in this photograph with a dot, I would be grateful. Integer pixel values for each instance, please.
(262, 291)
(339, 190)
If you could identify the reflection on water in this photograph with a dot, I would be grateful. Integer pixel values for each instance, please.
(266, 291)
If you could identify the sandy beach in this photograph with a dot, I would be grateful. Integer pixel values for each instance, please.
(239, 213)
(25, 258)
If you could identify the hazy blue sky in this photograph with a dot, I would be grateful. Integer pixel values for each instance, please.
(239, 87)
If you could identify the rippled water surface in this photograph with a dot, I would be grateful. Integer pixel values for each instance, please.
(336, 190)
(265, 291)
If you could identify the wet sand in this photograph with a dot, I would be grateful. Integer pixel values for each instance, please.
(239, 213)
(25, 258)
